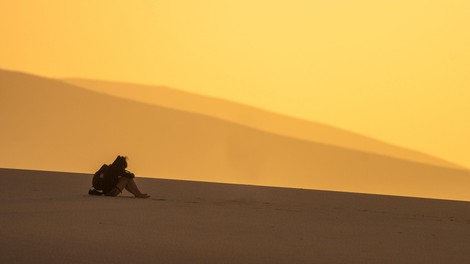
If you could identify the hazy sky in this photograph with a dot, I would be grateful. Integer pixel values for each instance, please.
(396, 70)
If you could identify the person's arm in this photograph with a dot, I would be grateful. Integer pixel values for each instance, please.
(127, 174)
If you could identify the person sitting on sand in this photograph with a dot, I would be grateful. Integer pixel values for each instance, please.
(111, 179)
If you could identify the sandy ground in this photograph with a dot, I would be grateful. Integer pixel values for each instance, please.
(47, 217)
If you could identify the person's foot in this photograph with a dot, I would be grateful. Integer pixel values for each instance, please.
(142, 195)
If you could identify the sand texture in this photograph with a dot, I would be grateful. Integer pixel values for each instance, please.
(47, 217)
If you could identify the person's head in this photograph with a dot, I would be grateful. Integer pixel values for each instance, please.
(120, 162)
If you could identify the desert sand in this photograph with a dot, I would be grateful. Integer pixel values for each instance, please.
(71, 128)
(47, 217)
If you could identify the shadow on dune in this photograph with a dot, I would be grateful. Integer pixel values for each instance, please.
(57, 126)
(255, 118)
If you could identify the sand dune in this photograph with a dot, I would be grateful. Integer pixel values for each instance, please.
(255, 118)
(47, 218)
(56, 126)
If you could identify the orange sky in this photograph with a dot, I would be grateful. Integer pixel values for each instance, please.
(394, 70)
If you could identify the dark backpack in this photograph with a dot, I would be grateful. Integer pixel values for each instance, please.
(98, 181)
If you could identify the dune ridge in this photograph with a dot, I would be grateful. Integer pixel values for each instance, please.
(255, 118)
(74, 129)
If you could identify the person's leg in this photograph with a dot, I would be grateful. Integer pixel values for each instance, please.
(132, 188)
(120, 185)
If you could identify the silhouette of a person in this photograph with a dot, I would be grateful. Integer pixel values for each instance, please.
(116, 178)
